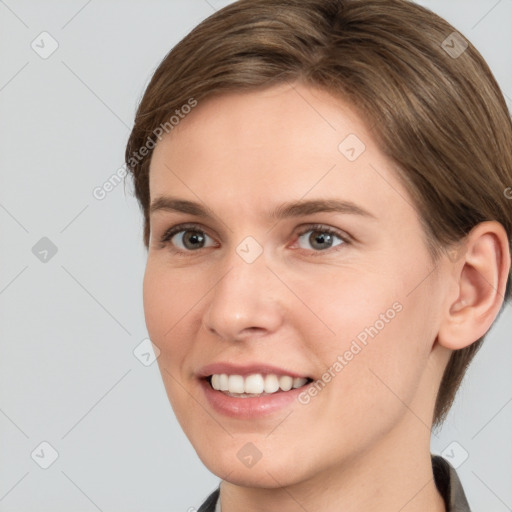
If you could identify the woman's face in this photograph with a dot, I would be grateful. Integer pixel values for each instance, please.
(295, 253)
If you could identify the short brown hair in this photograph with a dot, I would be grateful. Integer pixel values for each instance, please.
(438, 115)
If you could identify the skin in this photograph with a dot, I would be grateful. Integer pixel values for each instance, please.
(363, 442)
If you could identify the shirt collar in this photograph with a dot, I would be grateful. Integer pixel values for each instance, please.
(449, 485)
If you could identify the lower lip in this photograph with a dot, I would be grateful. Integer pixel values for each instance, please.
(246, 408)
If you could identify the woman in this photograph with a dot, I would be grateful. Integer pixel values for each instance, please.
(324, 194)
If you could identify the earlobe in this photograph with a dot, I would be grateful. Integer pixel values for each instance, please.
(480, 277)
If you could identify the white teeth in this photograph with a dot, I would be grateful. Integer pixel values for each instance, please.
(236, 384)
(286, 382)
(271, 383)
(255, 384)
(298, 382)
(223, 382)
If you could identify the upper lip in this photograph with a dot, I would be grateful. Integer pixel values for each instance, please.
(245, 369)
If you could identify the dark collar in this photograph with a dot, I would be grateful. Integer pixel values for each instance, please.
(449, 485)
(211, 501)
(445, 476)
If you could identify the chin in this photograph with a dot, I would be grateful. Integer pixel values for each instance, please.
(241, 463)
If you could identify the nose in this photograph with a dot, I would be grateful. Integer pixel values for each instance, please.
(245, 302)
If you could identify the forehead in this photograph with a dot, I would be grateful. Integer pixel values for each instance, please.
(272, 145)
(272, 118)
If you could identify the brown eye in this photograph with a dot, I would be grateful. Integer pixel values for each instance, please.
(319, 239)
(190, 239)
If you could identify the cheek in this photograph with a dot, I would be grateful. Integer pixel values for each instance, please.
(346, 305)
(376, 347)
(167, 300)
(168, 296)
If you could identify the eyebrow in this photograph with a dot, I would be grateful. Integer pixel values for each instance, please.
(285, 210)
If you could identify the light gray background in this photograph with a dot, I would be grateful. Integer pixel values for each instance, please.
(68, 375)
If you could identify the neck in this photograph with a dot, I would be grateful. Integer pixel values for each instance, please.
(395, 475)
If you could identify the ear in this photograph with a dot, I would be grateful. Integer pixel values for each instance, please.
(476, 294)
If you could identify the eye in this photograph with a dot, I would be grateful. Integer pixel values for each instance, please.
(187, 238)
(320, 238)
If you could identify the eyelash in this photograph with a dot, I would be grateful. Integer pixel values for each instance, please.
(168, 234)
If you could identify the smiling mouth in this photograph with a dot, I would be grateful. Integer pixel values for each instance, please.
(256, 384)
